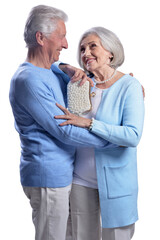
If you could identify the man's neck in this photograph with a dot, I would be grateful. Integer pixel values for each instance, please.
(37, 58)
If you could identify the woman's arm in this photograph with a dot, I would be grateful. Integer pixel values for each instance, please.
(69, 72)
(129, 133)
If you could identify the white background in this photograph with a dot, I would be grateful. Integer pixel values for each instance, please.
(136, 22)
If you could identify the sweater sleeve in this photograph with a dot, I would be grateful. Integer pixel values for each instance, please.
(40, 105)
(55, 69)
(129, 132)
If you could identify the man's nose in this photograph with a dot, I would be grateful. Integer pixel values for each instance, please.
(65, 43)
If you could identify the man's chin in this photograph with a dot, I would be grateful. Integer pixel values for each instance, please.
(56, 59)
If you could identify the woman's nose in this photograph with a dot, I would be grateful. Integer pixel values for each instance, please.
(86, 52)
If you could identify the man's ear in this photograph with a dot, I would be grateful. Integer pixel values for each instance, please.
(40, 38)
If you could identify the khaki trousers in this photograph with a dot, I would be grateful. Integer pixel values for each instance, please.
(85, 221)
(50, 210)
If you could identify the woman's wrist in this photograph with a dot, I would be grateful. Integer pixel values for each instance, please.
(91, 124)
(63, 67)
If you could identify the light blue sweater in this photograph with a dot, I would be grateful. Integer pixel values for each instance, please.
(119, 119)
(48, 150)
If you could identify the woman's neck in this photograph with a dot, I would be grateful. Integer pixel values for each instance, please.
(104, 73)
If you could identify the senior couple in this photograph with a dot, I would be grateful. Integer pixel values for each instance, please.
(90, 160)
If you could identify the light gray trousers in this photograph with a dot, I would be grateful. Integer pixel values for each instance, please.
(85, 221)
(50, 210)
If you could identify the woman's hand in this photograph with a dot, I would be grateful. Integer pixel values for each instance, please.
(75, 74)
(72, 118)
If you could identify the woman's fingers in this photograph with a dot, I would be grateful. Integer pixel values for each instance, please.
(65, 123)
(63, 117)
(84, 79)
(72, 118)
(77, 76)
(65, 110)
(81, 75)
(91, 81)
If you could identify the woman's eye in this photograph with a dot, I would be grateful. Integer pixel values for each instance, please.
(93, 45)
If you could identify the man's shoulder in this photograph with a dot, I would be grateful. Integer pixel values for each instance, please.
(23, 73)
(30, 75)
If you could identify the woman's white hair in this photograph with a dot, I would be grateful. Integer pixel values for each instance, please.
(42, 19)
(109, 41)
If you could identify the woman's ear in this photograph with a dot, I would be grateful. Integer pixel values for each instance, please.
(40, 38)
(111, 57)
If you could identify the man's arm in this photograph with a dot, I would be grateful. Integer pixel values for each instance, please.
(38, 101)
(55, 67)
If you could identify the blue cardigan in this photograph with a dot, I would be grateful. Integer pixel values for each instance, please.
(47, 154)
(119, 120)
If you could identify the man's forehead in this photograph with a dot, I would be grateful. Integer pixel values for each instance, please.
(61, 27)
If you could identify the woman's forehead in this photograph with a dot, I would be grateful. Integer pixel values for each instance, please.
(89, 39)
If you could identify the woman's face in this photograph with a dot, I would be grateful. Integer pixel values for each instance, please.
(93, 55)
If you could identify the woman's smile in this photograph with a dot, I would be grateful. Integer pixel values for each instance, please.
(89, 60)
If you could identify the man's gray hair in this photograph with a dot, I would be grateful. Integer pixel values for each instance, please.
(109, 41)
(42, 19)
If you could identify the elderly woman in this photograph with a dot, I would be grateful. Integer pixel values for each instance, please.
(107, 179)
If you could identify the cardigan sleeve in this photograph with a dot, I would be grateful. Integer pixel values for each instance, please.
(129, 132)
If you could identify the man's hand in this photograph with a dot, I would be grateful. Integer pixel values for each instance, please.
(75, 74)
(143, 90)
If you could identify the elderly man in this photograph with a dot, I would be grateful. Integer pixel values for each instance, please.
(48, 150)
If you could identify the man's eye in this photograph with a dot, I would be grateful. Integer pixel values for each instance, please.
(82, 49)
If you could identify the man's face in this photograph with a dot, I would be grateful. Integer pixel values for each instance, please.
(55, 43)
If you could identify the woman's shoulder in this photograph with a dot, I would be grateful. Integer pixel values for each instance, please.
(128, 79)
